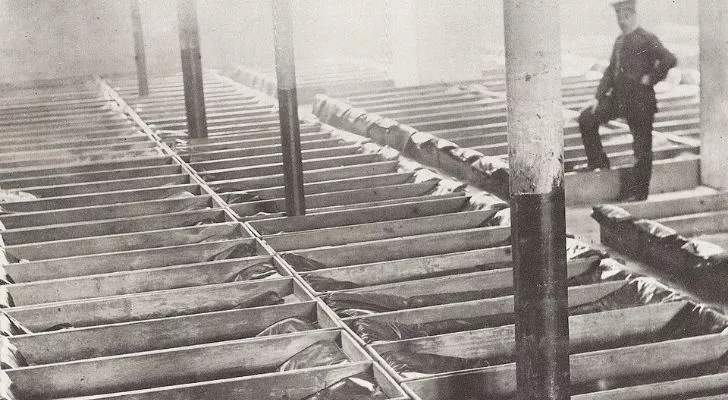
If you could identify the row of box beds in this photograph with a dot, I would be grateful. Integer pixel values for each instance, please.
(155, 272)
(472, 115)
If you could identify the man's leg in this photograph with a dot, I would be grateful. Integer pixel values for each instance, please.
(641, 126)
(589, 127)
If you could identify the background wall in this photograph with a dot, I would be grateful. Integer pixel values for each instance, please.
(55, 38)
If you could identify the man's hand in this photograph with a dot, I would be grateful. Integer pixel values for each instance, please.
(645, 80)
(592, 106)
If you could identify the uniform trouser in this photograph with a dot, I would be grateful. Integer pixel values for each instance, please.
(640, 124)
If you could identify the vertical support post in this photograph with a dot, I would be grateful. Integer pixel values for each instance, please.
(538, 226)
(713, 92)
(140, 54)
(189, 40)
(288, 108)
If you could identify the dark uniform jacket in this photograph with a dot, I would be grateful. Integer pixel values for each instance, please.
(635, 54)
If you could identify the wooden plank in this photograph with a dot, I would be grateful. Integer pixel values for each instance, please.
(108, 186)
(103, 212)
(587, 332)
(127, 282)
(423, 102)
(643, 359)
(585, 367)
(177, 118)
(147, 305)
(250, 129)
(87, 167)
(102, 198)
(268, 120)
(260, 150)
(260, 134)
(678, 114)
(81, 159)
(311, 176)
(496, 113)
(69, 110)
(497, 280)
(698, 224)
(444, 96)
(64, 179)
(345, 197)
(486, 307)
(397, 90)
(676, 125)
(311, 132)
(655, 209)
(237, 127)
(162, 111)
(122, 261)
(413, 246)
(479, 106)
(69, 139)
(475, 130)
(378, 230)
(14, 121)
(155, 334)
(272, 169)
(163, 367)
(294, 385)
(359, 206)
(28, 146)
(339, 185)
(410, 209)
(88, 106)
(176, 100)
(42, 106)
(713, 383)
(497, 143)
(110, 227)
(231, 144)
(78, 127)
(176, 97)
(360, 98)
(595, 187)
(126, 242)
(451, 123)
(163, 108)
(416, 268)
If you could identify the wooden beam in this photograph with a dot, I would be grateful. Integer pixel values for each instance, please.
(139, 51)
(163, 367)
(192, 68)
(148, 305)
(155, 334)
(123, 261)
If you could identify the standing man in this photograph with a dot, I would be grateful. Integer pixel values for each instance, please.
(639, 61)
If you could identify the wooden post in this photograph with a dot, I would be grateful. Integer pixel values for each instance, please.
(140, 55)
(713, 92)
(538, 226)
(288, 108)
(189, 41)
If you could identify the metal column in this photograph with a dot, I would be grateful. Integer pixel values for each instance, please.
(713, 92)
(189, 40)
(288, 108)
(140, 55)
(538, 226)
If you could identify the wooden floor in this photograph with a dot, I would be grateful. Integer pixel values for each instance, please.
(145, 263)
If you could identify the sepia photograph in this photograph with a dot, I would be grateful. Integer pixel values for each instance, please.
(363, 199)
